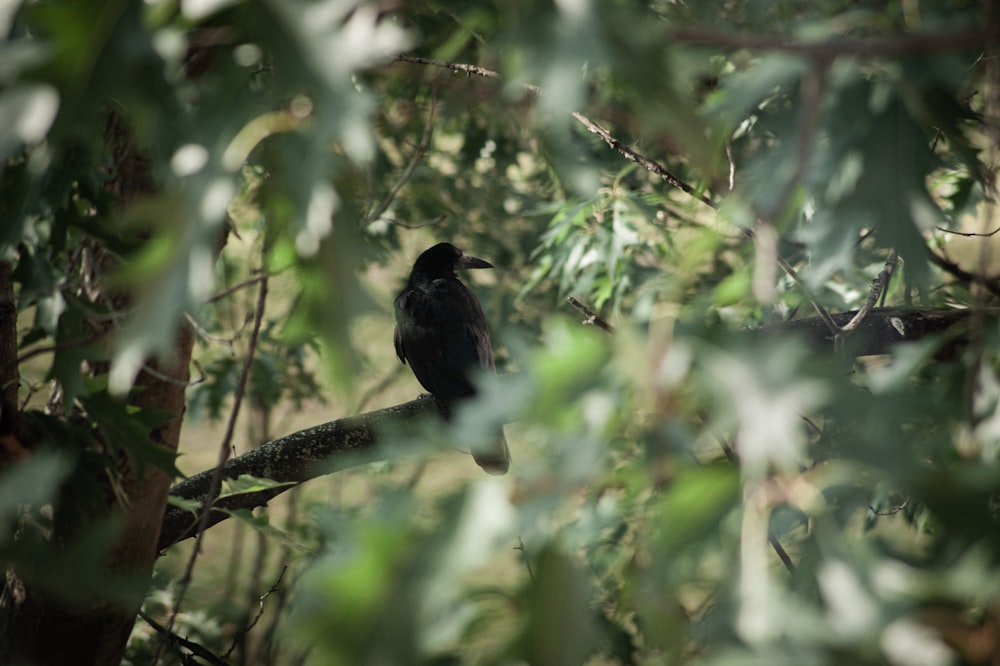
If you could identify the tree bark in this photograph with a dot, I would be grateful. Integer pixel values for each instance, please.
(295, 458)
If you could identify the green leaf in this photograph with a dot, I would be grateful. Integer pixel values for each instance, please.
(246, 483)
(126, 429)
(262, 523)
(189, 505)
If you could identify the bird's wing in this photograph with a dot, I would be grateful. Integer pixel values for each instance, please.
(441, 332)
(478, 333)
(397, 341)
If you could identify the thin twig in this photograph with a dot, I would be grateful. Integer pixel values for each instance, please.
(889, 271)
(468, 70)
(592, 318)
(260, 612)
(224, 450)
(524, 556)
(418, 155)
(781, 553)
(218, 339)
(892, 510)
(379, 386)
(66, 344)
(236, 287)
(809, 124)
(189, 645)
(642, 160)
(970, 234)
(813, 89)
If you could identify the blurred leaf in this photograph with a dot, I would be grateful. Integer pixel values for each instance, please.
(559, 607)
(34, 481)
(30, 110)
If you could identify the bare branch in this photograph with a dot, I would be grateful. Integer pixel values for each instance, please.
(469, 70)
(236, 287)
(196, 649)
(260, 612)
(642, 160)
(970, 234)
(224, 450)
(592, 318)
(295, 458)
(891, 511)
(418, 154)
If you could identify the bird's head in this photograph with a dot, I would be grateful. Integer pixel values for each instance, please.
(442, 260)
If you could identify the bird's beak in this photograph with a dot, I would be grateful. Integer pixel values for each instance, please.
(465, 261)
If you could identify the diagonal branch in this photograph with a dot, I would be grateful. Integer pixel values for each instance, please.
(642, 160)
(592, 318)
(418, 155)
(295, 458)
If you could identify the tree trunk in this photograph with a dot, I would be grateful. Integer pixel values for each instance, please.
(36, 627)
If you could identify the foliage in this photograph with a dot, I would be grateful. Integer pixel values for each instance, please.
(679, 492)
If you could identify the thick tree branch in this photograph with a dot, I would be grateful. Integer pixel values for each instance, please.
(879, 331)
(295, 458)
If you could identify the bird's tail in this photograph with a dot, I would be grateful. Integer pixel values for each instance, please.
(493, 456)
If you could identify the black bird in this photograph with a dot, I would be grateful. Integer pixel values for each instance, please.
(441, 331)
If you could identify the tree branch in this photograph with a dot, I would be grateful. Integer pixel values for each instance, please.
(295, 458)
(642, 160)
(418, 155)
(592, 318)
(877, 332)
(191, 646)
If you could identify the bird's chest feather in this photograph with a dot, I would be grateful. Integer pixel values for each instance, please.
(441, 320)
